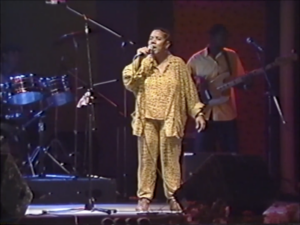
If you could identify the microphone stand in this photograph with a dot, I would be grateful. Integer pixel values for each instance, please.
(124, 42)
(90, 204)
(123, 45)
(75, 44)
(91, 122)
(271, 98)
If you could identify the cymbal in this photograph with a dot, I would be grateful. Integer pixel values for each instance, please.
(75, 34)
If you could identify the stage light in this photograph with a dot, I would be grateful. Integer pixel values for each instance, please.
(119, 221)
(131, 221)
(143, 221)
(107, 221)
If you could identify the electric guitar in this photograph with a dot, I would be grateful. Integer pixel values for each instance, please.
(211, 91)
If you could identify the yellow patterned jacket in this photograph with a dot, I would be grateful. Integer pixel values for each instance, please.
(173, 86)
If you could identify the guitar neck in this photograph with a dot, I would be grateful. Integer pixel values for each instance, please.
(241, 79)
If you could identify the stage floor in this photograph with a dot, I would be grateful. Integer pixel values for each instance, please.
(122, 209)
(75, 214)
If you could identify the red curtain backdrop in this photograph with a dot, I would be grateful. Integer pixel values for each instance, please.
(243, 19)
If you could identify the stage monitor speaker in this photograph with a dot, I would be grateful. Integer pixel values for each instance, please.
(15, 194)
(243, 182)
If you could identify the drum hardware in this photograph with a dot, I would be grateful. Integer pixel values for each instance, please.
(41, 151)
(58, 93)
(77, 79)
(3, 92)
(56, 140)
(16, 113)
(13, 116)
(66, 37)
(75, 44)
(58, 90)
(99, 83)
(122, 113)
(97, 92)
(72, 35)
(91, 115)
(22, 89)
(30, 165)
(25, 89)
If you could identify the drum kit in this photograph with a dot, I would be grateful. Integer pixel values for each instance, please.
(25, 89)
(19, 95)
(25, 99)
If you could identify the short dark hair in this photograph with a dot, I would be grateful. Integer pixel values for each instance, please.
(165, 31)
(217, 29)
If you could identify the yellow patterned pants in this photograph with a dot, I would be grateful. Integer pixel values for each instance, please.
(152, 144)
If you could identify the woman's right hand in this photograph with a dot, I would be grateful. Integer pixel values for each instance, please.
(144, 50)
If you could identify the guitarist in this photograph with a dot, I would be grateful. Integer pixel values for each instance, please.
(206, 65)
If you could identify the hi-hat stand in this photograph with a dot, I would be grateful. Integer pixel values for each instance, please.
(42, 150)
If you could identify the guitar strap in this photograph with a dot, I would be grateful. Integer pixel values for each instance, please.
(227, 61)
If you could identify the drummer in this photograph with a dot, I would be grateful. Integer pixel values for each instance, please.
(10, 61)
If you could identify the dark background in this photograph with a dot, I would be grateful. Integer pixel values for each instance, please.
(35, 26)
(297, 89)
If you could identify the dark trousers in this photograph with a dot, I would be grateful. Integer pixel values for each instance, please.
(221, 133)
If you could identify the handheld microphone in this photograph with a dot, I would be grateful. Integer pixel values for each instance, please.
(249, 40)
(151, 48)
(55, 2)
(142, 54)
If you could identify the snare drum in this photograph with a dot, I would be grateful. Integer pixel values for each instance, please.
(23, 89)
(58, 88)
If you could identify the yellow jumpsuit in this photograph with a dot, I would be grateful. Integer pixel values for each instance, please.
(165, 96)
